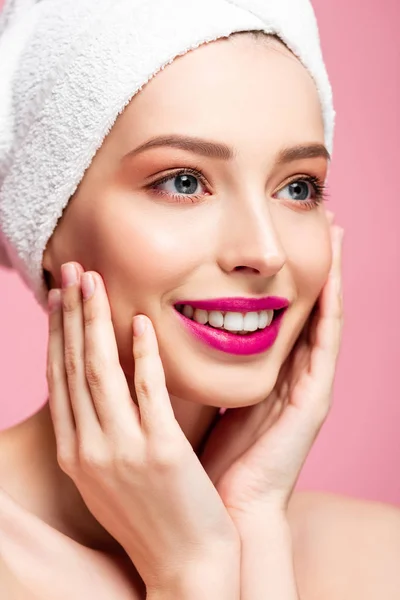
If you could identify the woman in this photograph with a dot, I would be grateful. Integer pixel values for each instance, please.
(201, 219)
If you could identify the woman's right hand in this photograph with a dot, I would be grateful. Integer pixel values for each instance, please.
(133, 465)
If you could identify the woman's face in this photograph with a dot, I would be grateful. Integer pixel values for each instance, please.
(225, 228)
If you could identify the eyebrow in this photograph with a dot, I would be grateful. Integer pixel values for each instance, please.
(211, 149)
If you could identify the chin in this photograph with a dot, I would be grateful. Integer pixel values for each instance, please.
(226, 385)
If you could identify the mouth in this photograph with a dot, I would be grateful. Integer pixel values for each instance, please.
(236, 326)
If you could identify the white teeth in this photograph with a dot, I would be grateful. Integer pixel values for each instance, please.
(231, 321)
(201, 316)
(265, 318)
(216, 318)
(251, 321)
(270, 314)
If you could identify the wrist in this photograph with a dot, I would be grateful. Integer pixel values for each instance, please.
(260, 521)
(267, 557)
(216, 575)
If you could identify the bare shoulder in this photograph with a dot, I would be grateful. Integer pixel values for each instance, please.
(345, 548)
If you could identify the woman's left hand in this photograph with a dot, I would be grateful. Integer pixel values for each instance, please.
(254, 454)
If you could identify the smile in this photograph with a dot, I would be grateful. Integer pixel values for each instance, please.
(240, 326)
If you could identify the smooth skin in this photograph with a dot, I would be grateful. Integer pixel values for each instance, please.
(146, 247)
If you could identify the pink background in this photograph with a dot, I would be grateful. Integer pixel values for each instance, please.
(358, 449)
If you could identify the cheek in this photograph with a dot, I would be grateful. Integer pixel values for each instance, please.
(144, 259)
(139, 252)
(309, 258)
(309, 255)
(305, 239)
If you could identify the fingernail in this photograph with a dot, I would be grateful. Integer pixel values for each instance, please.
(139, 325)
(88, 285)
(69, 275)
(54, 300)
(330, 216)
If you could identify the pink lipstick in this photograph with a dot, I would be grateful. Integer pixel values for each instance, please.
(233, 343)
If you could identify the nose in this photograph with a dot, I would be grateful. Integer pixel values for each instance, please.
(249, 241)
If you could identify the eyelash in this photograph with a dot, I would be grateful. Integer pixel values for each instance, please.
(184, 198)
(318, 186)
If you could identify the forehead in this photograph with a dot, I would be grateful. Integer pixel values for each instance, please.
(228, 90)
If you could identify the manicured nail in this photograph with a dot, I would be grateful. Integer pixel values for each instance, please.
(139, 325)
(54, 300)
(88, 285)
(69, 275)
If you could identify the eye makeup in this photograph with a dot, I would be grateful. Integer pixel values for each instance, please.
(318, 187)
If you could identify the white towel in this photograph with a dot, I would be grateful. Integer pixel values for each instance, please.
(68, 68)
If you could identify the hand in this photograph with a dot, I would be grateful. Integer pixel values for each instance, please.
(133, 466)
(254, 455)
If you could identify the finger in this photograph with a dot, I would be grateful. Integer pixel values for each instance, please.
(332, 293)
(329, 327)
(335, 267)
(156, 412)
(85, 415)
(109, 389)
(59, 402)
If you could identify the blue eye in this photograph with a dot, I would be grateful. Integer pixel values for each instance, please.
(183, 183)
(299, 190)
(189, 185)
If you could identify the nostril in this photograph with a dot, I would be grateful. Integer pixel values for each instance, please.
(244, 268)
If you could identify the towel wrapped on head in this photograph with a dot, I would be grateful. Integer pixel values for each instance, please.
(68, 69)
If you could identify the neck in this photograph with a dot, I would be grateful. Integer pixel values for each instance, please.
(28, 461)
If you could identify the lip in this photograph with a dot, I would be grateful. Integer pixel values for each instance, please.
(231, 343)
